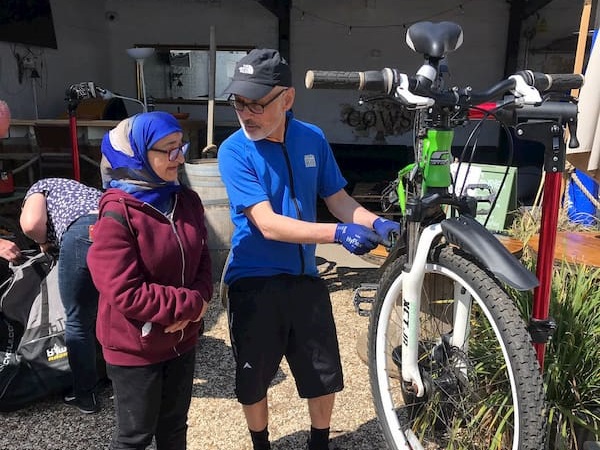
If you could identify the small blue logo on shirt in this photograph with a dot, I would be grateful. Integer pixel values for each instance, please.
(310, 161)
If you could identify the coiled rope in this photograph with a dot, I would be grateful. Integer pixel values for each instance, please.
(570, 170)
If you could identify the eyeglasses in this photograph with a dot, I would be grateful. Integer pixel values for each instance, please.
(174, 153)
(253, 107)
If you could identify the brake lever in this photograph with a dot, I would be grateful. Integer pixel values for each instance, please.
(572, 127)
(409, 99)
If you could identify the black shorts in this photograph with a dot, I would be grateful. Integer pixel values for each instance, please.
(283, 315)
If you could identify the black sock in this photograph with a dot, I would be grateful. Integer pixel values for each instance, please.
(319, 439)
(260, 439)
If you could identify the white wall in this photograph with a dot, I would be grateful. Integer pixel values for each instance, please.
(321, 39)
(93, 36)
(183, 22)
(91, 46)
(82, 55)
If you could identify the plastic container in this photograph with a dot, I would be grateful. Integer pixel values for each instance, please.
(581, 209)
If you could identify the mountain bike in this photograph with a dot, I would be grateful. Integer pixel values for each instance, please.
(451, 360)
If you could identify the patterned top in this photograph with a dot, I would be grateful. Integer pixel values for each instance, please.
(66, 201)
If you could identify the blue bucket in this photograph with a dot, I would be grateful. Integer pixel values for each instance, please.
(581, 209)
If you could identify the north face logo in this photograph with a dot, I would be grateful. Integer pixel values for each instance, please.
(247, 69)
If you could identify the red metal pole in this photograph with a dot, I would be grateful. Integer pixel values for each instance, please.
(547, 241)
(74, 145)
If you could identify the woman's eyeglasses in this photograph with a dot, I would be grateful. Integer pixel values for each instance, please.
(255, 108)
(174, 153)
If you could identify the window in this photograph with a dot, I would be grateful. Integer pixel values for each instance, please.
(181, 74)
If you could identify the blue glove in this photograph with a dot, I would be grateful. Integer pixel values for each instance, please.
(387, 229)
(355, 238)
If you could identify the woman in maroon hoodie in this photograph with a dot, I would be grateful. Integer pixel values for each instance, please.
(151, 265)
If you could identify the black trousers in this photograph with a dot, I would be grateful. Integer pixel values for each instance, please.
(152, 401)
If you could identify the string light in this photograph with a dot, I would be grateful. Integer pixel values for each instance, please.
(460, 8)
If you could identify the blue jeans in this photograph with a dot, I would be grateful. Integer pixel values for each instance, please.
(80, 300)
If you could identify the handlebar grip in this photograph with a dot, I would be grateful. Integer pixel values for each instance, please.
(564, 81)
(552, 81)
(370, 80)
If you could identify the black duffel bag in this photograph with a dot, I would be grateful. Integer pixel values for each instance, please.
(33, 354)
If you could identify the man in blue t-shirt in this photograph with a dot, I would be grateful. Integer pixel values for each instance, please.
(274, 168)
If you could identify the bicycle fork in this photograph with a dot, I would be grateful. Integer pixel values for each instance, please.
(410, 287)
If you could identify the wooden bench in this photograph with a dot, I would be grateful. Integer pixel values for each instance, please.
(574, 247)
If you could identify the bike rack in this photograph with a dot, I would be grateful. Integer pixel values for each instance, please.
(542, 326)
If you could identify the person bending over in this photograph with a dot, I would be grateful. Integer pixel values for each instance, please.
(58, 212)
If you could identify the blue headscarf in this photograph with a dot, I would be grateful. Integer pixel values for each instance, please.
(125, 158)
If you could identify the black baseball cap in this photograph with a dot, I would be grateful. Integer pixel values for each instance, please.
(258, 72)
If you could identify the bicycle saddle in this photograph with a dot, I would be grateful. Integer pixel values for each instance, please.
(434, 39)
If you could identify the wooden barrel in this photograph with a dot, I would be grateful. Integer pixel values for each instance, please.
(203, 176)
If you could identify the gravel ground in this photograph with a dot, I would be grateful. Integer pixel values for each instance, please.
(216, 420)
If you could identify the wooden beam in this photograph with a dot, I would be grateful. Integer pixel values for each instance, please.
(584, 26)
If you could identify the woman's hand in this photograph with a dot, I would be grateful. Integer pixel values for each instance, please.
(180, 325)
(177, 326)
(9, 250)
(204, 308)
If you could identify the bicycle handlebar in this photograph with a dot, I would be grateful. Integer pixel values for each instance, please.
(370, 80)
(387, 80)
(552, 81)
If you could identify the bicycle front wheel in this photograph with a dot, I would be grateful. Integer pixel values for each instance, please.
(486, 393)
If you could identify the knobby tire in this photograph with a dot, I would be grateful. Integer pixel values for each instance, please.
(472, 393)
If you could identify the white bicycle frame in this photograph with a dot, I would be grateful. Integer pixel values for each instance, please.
(409, 286)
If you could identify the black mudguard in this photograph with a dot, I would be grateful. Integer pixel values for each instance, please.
(472, 237)
(397, 250)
